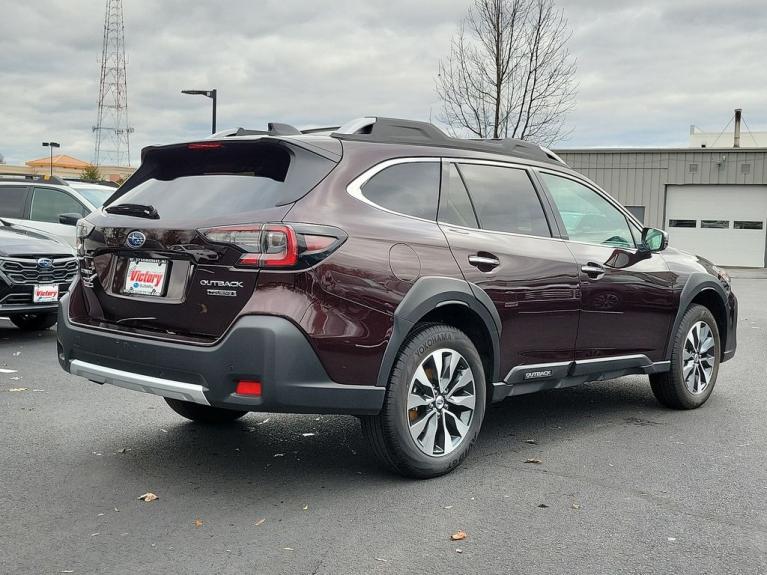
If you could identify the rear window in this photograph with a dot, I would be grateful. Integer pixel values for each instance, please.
(213, 179)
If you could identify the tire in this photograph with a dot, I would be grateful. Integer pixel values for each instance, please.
(203, 413)
(34, 321)
(672, 388)
(410, 435)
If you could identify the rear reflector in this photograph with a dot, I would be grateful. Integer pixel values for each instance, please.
(248, 387)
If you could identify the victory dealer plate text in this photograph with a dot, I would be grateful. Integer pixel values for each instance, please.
(145, 277)
(45, 293)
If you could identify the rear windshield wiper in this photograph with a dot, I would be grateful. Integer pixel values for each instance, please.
(137, 210)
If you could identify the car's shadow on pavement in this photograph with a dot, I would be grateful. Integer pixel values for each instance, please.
(295, 448)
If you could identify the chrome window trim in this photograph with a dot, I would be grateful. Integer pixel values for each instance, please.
(354, 189)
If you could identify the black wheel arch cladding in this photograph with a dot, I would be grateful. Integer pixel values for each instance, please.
(430, 293)
(696, 284)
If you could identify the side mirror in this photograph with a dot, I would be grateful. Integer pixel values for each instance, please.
(69, 219)
(654, 240)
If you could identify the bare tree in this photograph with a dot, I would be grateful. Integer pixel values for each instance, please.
(509, 73)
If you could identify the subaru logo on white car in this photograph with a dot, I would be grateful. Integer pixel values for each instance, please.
(45, 263)
(135, 239)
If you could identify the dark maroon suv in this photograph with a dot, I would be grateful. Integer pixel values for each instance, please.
(387, 271)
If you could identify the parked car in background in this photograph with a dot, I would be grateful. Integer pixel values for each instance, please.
(35, 271)
(386, 271)
(49, 204)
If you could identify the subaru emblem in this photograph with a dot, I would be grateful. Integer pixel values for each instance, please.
(135, 239)
(45, 263)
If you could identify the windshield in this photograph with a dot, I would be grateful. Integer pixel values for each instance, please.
(95, 195)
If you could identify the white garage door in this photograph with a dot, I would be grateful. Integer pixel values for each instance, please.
(725, 224)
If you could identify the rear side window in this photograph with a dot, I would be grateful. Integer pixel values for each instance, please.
(411, 188)
(505, 200)
(12, 201)
(211, 179)
(48, 204)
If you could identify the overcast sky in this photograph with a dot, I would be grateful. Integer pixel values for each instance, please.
(646, 69)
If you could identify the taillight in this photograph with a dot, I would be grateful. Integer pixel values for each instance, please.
(278, 245)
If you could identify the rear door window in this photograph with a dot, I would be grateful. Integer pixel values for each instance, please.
(411, 188)
(210, 179)
(13, 199)
(505, 200)
(454, 203)
(48, 204)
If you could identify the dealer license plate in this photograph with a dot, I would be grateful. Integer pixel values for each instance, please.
(45, 293)
(146, 277)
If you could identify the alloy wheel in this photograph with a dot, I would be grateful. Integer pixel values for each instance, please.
(698, 358)
(441, 402)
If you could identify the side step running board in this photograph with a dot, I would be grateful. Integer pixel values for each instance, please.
(525, 379)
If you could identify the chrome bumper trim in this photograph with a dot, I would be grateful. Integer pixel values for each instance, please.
(137, 382)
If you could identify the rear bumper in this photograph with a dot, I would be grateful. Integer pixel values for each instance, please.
(269, 349)
(16, 309)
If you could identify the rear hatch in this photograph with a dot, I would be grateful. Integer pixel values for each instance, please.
(176, 252)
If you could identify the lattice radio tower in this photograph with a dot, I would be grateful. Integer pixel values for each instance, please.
(111, 129)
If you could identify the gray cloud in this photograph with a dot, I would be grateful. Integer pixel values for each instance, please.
(646, 70)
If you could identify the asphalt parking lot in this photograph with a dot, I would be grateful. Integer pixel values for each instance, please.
(624, 485)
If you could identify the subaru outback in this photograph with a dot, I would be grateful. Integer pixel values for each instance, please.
(386, 271)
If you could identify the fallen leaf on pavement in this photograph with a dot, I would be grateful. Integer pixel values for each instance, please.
(458, 536)
(533, 461)
(197, 522)
(149, 497)
(260, 521)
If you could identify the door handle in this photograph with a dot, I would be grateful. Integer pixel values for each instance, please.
(487, 261)
(594, 271)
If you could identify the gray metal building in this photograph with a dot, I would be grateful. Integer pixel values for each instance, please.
(711, 201)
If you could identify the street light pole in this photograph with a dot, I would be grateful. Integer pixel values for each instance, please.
(51, 145)
(212, 94)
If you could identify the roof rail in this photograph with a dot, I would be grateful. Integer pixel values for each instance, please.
(11, 176)
(399, 131)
